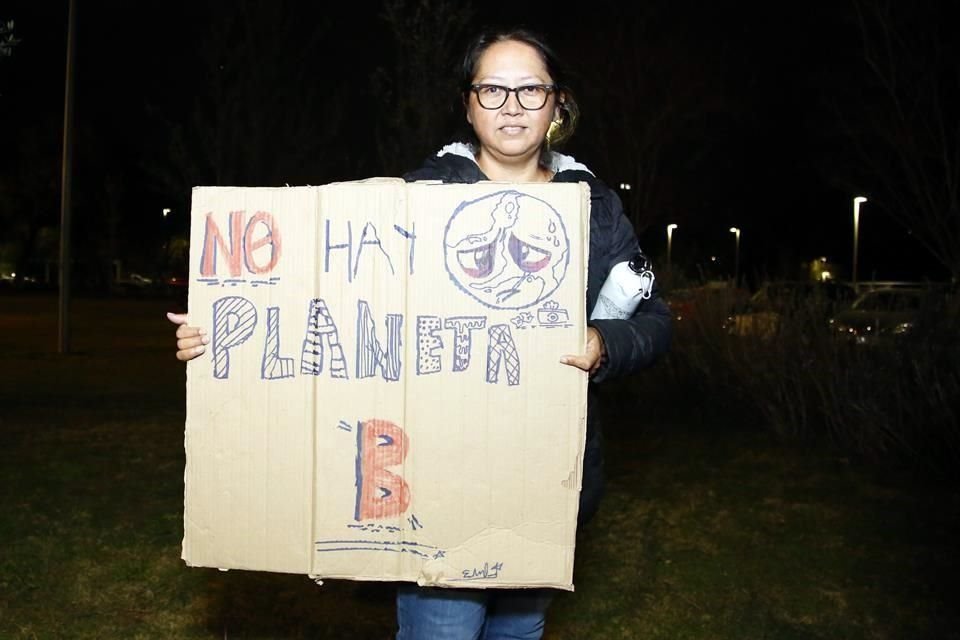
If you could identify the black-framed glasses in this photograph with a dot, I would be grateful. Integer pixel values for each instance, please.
(530, 96)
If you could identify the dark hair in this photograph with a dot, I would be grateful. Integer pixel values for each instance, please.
(569, 112)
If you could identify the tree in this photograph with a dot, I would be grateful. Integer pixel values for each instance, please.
(417, 93)
(648, 106)
(101, 185)
(7, 39)
(29, 196)
(266, 109)
(263, 112)
(905, 126)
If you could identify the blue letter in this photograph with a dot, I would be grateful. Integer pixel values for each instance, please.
(502, 348)
(462, 326)
(273, 366)
(320, 329)
(348, 246)
(370, 355)
(411, 236)
(375, 242)
(233, 321)
(428, 344)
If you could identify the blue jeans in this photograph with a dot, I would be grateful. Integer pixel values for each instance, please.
(425, 613)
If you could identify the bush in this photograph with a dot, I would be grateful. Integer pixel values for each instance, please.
(891, 403)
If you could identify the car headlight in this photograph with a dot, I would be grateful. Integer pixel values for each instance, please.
(902, 328)
(841, 328)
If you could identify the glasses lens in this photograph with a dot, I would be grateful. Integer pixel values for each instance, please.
(491, 96)
(532, 97)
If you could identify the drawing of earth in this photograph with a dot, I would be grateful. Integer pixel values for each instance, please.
(508, 250)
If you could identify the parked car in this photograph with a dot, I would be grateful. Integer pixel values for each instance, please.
(177, 287)
(133, 285)
(882, 315)
(704, 306)
(764, 312)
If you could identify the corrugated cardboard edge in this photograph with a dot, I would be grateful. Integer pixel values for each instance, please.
(582, 420)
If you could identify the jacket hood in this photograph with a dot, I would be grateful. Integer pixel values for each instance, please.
(557, 162)
(457, 163)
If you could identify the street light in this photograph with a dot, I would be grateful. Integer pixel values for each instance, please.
(736, 257)
(670, 228)
(856, 234)
(166, 212)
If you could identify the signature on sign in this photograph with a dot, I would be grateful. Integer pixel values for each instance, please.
(486, 572)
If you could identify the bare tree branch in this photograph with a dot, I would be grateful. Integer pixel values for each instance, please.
(417, 91)
(906, 127)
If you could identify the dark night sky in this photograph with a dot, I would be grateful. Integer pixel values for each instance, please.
(765, 164)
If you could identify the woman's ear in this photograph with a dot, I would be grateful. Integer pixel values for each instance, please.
(466, 108)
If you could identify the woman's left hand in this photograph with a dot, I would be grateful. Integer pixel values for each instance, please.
(589, 361)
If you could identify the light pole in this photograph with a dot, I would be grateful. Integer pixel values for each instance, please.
(66, 188)
(856, 234)
(165, 247)
(736, 257)
(627, 200)
(670, 228)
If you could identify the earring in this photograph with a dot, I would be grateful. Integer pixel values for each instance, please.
(553, 130)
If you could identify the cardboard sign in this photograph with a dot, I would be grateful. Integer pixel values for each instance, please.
(382, 397)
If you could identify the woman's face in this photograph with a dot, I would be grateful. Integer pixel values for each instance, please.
(511, 133)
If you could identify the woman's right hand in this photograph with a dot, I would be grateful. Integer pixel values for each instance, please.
(190, 340)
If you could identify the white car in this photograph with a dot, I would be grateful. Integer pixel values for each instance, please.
(881, 315)
(800, 301)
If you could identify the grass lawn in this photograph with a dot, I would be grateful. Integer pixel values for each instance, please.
(708, 530)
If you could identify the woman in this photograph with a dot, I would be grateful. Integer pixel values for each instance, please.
(518, 106)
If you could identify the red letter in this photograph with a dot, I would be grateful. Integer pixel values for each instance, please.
(212, 238)
(272, 238)
(380, 493)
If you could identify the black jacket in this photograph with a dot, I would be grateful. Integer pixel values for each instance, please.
(631, 344)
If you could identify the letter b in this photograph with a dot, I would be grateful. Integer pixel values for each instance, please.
(380, 493)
